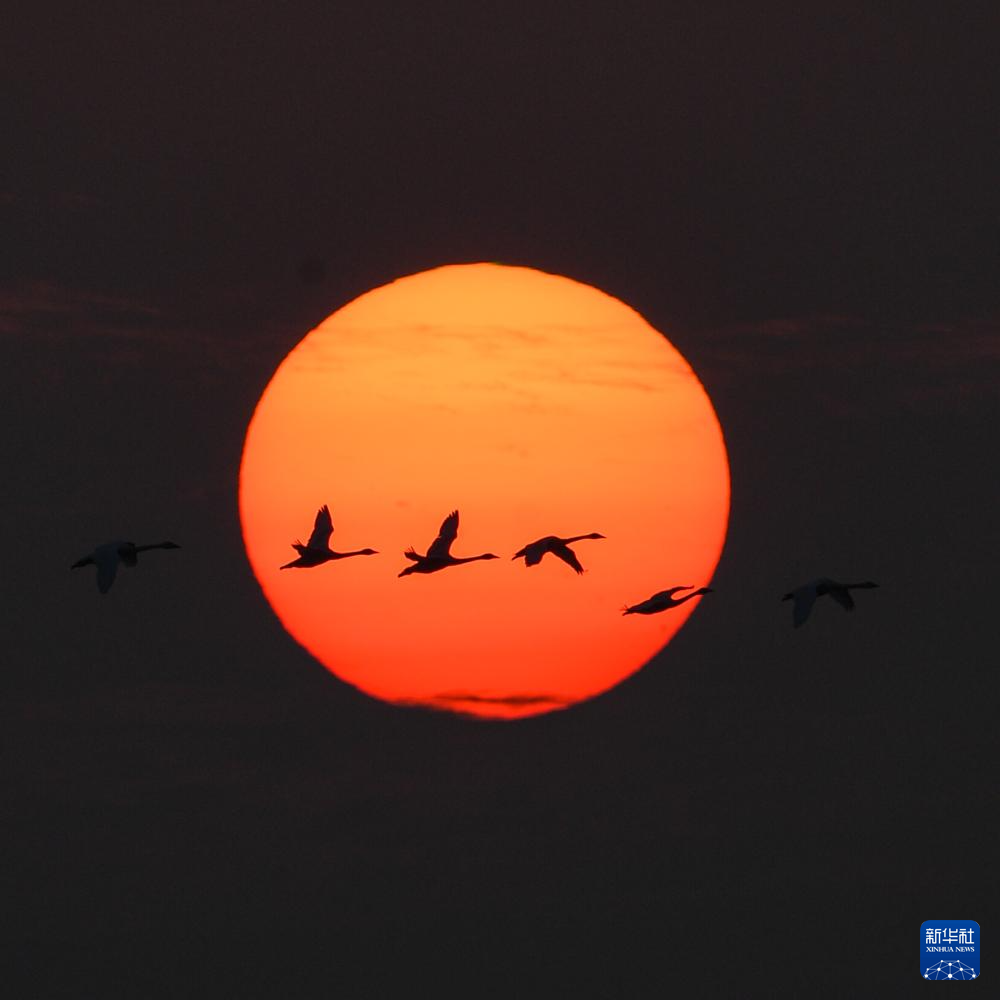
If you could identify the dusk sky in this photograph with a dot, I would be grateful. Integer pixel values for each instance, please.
(804, 198)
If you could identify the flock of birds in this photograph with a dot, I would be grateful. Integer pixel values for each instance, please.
(317, 551)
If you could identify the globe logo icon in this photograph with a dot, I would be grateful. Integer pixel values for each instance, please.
(950, 970)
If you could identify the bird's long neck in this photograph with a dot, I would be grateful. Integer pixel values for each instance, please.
(866, 585)
(687, 597)
(155, 545)
(466, 559)
(359, 552)
(575, 538)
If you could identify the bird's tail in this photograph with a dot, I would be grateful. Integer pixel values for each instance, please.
(626, 610)
(85, 561)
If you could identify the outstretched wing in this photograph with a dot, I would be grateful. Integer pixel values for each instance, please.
(843, 597)
(441, 545)
(668, 595)
(567, 555)
(322, 529)
(804, 598)
(106, 560)
(532, 552)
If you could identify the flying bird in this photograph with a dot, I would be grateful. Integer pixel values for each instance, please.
(663, 601)
(559, 547)
(317, 550)
(805, 596)
(106, 558)
(439, 554)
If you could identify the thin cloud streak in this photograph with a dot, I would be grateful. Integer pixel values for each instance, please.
(916, 362)
(454, 702)
(45, 307)
(126, 331)
(608, 373)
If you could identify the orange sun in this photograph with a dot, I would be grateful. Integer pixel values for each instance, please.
(535, 405)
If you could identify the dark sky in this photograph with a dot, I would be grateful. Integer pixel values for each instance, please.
(803, 196)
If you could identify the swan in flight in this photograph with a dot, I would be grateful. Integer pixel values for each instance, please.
(805, 596)
(559, 547)
(439, 554)
(317, 550)
(663, 601)
(106, 558)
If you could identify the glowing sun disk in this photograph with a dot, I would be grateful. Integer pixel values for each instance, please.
(535, 405)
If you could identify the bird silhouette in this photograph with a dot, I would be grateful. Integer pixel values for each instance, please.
(439, 554)
(664, 600)
(805, 596)
(106, 558)
(559, 547)
(317, 550)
